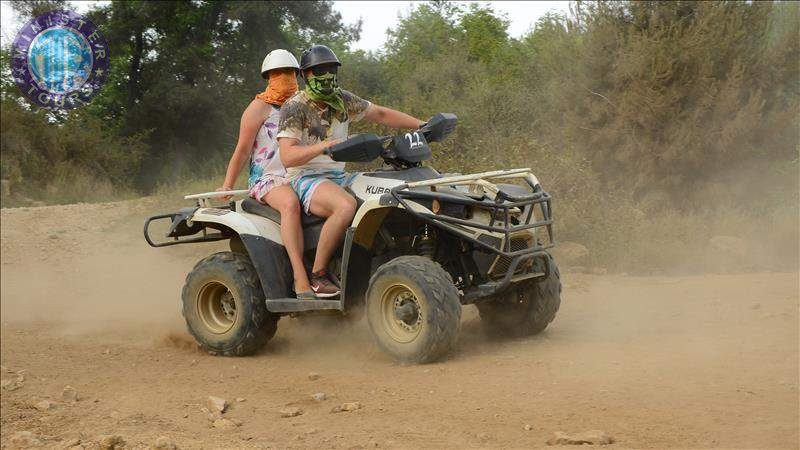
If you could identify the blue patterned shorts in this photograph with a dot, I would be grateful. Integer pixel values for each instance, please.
(306, 182)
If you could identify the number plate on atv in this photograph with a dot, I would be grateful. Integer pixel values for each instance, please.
(412, 147)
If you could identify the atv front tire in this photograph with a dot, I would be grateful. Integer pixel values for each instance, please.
(223, 305)
(525, 309)
(413, 309)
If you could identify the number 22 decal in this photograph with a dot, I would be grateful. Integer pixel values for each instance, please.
(414, 140)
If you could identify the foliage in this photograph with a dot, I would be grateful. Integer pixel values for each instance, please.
(635, 115)
(61, 162)
(670, 93)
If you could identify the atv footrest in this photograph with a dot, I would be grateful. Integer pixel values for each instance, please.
(281, 305)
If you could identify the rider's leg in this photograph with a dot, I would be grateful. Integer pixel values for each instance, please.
(284, 199)
(331, 201)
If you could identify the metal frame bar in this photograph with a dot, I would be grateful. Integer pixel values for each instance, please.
(501, 204)
(203, 199)
(176, 240)
(487, 289)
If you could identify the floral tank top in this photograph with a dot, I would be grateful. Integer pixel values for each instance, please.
(266, 168)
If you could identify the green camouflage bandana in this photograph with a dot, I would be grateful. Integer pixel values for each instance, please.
(323, 88)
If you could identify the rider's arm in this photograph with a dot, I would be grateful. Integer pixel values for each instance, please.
(391, 118)
(293, 154)
(252, 118)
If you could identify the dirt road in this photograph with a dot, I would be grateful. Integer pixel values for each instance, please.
(657, 362)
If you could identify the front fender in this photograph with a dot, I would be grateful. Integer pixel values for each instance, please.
(370, 216)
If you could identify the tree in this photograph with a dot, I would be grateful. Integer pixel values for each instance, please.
(184, 71)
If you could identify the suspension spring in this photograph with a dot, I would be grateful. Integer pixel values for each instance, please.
(424, 243)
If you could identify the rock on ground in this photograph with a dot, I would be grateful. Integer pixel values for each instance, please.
(44, 405)
(225, 424)
(24, 439)
(216, 404)
(594, 437)
(291, 411)
(69, 394)
(164, 443)
(110, 441)
(212, 415)
(70, 443)
(348, 406)
(13, 384)
(319, 396)
(313, 376)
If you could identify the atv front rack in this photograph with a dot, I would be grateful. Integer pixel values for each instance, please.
(500, 204)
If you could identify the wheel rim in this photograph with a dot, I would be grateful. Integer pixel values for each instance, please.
(216, 307)
(401, 313)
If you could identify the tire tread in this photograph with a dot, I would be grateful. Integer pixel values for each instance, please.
(262, 324)
(443, 298)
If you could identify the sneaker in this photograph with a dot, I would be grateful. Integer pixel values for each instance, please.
(322, 285)
(307, 295)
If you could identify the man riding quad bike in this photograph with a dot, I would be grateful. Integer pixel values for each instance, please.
(420, 246)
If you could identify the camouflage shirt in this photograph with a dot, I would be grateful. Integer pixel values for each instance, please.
(303, 119)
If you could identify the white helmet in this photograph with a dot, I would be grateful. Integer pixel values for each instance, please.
(278, 59)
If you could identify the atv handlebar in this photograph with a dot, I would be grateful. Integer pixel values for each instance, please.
(403, 150)
(359, 148)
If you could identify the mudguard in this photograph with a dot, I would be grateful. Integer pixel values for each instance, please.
(262, 240)
(272, 265)
(239, 221)
(370, 215)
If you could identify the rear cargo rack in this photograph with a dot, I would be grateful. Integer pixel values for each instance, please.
(203, 200)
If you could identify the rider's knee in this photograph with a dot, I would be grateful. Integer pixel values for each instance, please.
(346, 206)
(291, 207)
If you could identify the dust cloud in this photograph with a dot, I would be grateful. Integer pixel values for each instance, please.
(656, 361)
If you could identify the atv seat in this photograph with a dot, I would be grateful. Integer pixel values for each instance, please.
(253, 206)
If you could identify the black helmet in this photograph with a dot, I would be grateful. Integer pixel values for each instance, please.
(316, 55)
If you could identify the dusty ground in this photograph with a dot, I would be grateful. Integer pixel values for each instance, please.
(700, 361)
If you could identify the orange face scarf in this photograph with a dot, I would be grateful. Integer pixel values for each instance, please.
(282, 85)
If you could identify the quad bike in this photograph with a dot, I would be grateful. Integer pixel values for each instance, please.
(420, 246)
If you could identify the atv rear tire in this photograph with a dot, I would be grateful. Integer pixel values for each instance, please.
(525, 309)
(223, 305)
(413, 309)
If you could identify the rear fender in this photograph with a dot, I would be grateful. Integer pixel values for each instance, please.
(272, 265)
(240, 222)
(261, 239)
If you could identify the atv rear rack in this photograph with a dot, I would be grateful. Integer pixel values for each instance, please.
(500, 205)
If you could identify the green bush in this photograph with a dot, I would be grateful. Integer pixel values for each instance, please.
(73, 160)
(656, 125)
